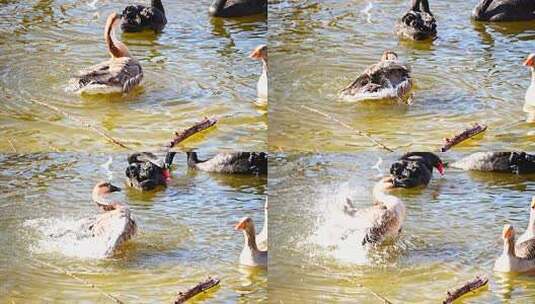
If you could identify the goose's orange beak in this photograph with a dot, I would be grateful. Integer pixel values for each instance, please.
(533, 202)
(240, 226)
(530, 61)
(507, 231)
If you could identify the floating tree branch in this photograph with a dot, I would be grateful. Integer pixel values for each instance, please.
(82, 122)
(466, 134)
(77, 278)
(202, 286)
(196, 128)
(359, 132)
(469, 286)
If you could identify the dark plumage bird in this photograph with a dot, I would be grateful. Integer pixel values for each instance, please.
(146, 172)
(415, 169)
(137, 18)
(504, 10)
(512, 162)
(237, 8)
(236, 162)
(418, 23)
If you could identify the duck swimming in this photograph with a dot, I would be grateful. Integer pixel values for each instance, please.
(504, 10)
(384, 220)
(387, 79)
(525, 245)
(509, 261)
(415, 169)
(512, 162)
(418, 23)
(120, 74)
(260, 53)
(262, 237)
(529, 104)
(250, 254)
(231, 163)
(136, 18)
(145, 171)
(116, 224)
(237, 8)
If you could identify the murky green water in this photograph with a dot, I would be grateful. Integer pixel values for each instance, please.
(186, 233)
(471, 73)
(452, 232)
(197, 67)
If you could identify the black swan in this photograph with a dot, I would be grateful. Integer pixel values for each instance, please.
(236, 162)
(137, 18)
(120, 74)
(145, 171)
(504, 10)
(512, 162)
(418, 23)
(237, 8)
(415, 169)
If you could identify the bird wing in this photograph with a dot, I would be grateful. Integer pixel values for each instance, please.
(123, 72)
(383, 222)
(114, 228)
(526, 249)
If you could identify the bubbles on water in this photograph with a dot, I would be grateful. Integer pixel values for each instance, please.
(67, 236)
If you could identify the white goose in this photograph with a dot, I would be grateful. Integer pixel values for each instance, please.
(384, 219)
(509, 261)
(262, 237)
(260, 53)
(525, 245)
(529, 105)
(250, 254)
(120, 74)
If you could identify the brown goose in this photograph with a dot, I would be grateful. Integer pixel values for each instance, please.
(120, 74)
(525, 245)
(116, 224)
(384, 220)
(387, 79)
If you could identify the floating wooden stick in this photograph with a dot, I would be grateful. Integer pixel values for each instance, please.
(82, 122)
(197, 127)
(85, 282)
(202, 286)
(469, 286)
(466, 134)
(359, 132)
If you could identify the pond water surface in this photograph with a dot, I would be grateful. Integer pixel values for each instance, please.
(452, 233)
(471, 73)
(186, 233)
(197, 67)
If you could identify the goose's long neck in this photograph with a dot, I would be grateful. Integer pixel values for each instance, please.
(192, 159)
(532, 75)
(531, 224)
(250, 238)
(116, 48)
(157, 4)
(509, 247)
(265, 64)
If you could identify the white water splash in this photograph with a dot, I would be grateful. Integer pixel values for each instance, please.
(67, 236)
(107, 167)
(337, 232)
(377, 167)
(92, 4)
(367, 10)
